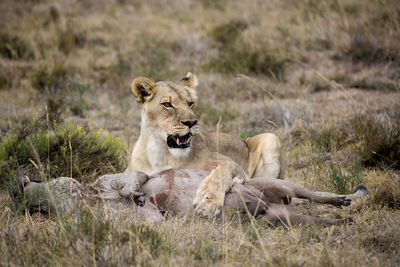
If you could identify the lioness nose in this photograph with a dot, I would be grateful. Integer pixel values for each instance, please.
(189, 124)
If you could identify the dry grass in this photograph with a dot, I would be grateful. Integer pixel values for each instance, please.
(323, 75)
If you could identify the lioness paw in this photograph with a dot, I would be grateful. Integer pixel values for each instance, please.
(208, 203)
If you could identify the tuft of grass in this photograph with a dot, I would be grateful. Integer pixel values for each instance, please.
(41, 152)
(383, 190)
(13, 47)
(380, 140)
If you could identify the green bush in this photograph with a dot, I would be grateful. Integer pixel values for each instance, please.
(36, 150)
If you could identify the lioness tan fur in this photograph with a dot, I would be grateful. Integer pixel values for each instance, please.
(170, 138)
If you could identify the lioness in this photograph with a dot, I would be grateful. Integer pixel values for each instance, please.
(171, 191)
(170, 138)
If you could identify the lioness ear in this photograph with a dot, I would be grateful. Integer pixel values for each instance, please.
(190, 80)
(143, 89)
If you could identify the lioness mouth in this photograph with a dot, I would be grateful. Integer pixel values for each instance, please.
(176, 141)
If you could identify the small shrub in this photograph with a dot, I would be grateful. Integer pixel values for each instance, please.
(46, 78)
(328, 139)
(66, 150)
(12, 47)
(380, 140)
(384, 190)
(345, 182)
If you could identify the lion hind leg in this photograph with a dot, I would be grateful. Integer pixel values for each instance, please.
(265, 157)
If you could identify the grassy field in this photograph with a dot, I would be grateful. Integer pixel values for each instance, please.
(323, 75)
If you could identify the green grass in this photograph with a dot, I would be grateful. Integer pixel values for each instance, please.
(345, 181)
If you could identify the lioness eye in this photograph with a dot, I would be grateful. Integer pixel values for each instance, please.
(191, 104)
(167, 104)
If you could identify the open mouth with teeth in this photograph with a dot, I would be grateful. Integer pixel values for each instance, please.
(176, 141)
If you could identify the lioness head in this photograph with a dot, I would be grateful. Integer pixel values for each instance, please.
(167, 111)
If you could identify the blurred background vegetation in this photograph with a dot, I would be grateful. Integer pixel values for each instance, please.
(323, 75)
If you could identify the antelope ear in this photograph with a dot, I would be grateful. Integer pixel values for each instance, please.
(143, 89)
(190, 80)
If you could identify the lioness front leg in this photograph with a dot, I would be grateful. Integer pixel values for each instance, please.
(210, 193)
